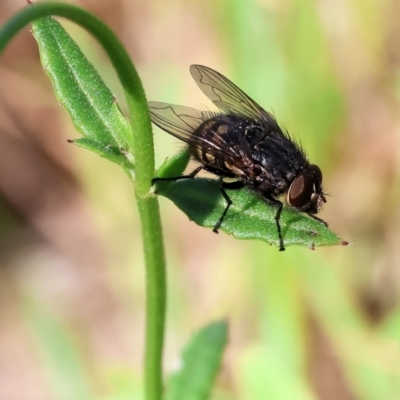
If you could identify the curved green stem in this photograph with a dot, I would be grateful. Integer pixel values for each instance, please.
(143, 152)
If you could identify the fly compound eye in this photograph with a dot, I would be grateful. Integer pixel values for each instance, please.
(316, 172)
(300, 190)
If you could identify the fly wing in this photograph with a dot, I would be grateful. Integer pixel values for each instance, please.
(178, 121)
(182, 122)
(226, 95)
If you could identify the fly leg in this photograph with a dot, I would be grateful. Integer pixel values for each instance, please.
(226, 185)
(176, 178)
(318, 219)
(277, 219)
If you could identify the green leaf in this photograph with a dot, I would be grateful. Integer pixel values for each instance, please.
(175, 165)
(200, 363)
(112, 153)
(82, 92)
(249, 217)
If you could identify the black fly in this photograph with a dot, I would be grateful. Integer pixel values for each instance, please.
(244, 143)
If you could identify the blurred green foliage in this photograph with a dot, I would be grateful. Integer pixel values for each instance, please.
(303, 325)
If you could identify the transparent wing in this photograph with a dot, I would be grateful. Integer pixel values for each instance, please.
(226, 95)
(179, 121)
(182, 122)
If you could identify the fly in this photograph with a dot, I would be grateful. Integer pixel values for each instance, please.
(244, 143)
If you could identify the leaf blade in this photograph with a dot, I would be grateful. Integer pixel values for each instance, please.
(201, 360)
(249, 217)
(82, 92)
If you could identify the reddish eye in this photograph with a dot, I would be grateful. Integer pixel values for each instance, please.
(301, 190)
(316, 171)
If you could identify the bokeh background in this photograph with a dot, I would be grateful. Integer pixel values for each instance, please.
(304, 324)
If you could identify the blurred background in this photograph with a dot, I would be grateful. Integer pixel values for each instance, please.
(312, 325)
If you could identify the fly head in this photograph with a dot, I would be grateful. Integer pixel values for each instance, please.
(305, 192)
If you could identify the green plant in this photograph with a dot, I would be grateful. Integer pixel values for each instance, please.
(106, 132)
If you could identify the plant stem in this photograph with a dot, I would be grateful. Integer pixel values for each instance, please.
(143, 151)
(155, 295)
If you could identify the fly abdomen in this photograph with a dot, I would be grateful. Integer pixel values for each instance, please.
(222, 136)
